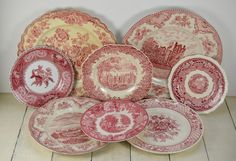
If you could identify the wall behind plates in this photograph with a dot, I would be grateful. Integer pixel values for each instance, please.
(119, 15)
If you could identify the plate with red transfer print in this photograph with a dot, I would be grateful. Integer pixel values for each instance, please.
(41, 74)
(56, 126)
(117, 71)
(114, 121)
(169, 35)
(199, 82)
(75, 33)
(173, 127)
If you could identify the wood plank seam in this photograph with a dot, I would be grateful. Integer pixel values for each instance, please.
(169, 157)
(230, 114)
(13, 153)
(52, 156)
(207, 154)
(130, 157)
(91, 156)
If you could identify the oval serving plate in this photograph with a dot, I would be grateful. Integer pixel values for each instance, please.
(117, 71)
(75, 33)
(199, 82)
(169, 35)
(56, 126)
(114, 121)
(41, 74)
(173, 127)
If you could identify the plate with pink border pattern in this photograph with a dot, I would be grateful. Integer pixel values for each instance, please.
(199, 82)
(41, 74)
(173, 127)
(117, 71)
(169, 35)
(114, 121)
(56, 126)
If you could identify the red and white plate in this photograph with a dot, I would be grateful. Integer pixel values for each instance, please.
(41, 74)
(169, 35)
(56, 126)
(114, 121)
(117, 71)
(173, 127)
(199, 82)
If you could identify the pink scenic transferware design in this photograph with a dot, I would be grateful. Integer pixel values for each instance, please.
(56, 126)
(173, 127)
(75, 33)
(117, 71)
(114, 121)
(199, 82)
(41, 74)
(169, 35)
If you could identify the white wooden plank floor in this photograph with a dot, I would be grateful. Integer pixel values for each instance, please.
(16, 144)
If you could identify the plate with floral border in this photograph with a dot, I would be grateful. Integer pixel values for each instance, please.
(117, 71)
(56, 126)
(169, 35)
(199, 82)
(173, 127)
(41, 74)
(114, 121)
(75, 33)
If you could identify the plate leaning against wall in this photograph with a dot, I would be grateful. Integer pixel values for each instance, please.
(75, 33)
(169, 35)
(41, 74)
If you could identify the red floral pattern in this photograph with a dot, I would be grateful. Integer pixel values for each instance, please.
(41, 76)
(163, 126)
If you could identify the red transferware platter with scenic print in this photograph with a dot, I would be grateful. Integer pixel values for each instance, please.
(173, 127)
(117, 71)
(114, 121)
(56, 126)
(75, 33)
(169, 35)
(198, 82)
(41, 74)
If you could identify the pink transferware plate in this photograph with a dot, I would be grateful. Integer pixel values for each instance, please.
(56, 126)
(41, 74)
(75, 33)
(169, 35)
(117, 71)
(114, 121)
(173, 127)
(198, 82)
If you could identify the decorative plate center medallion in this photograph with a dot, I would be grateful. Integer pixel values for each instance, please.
(198, 83)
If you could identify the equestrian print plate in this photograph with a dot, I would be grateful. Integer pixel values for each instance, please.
(41, 74)
(56, 126)
(169, 35)
(114, 121)
(75, 33)
(199, 82)
(117, 71)
(172, 127)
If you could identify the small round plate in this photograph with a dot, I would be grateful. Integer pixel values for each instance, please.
(172, 127)
(114, 121)
(169, 35)
(41, 74)
(199, 82)
(117, 71)
(56, 126)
